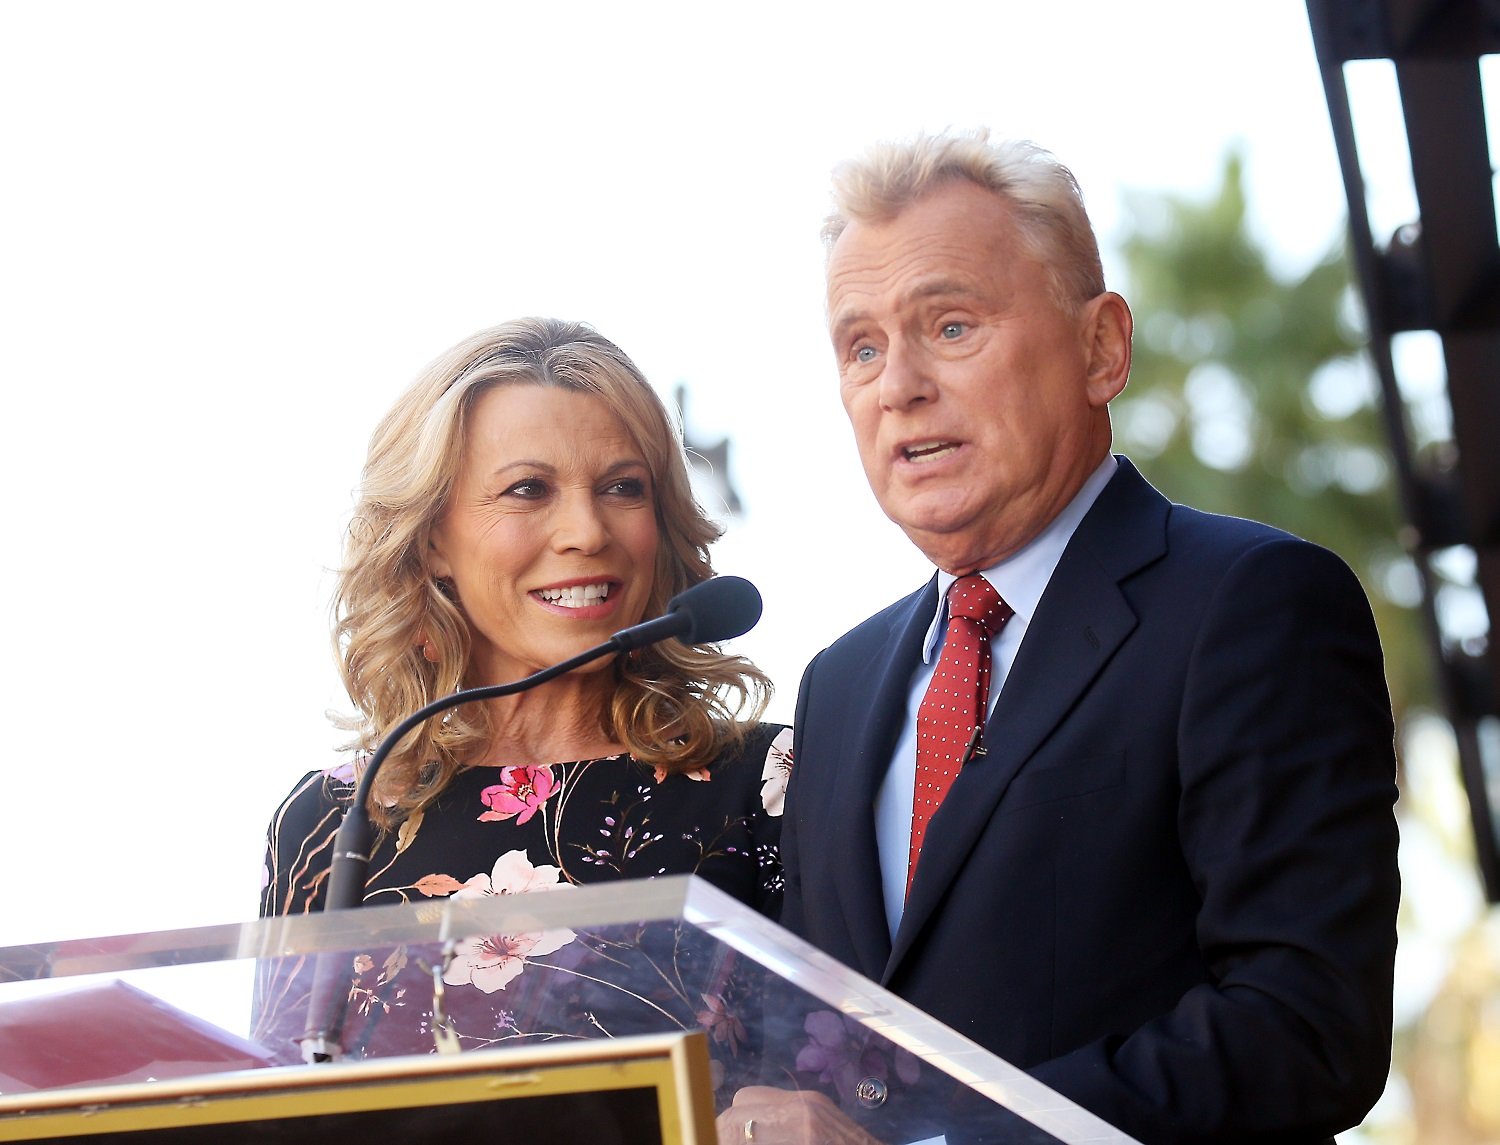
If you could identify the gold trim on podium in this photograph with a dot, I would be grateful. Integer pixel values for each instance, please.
(614, 1073)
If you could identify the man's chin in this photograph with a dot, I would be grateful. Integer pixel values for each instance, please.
(955, 550)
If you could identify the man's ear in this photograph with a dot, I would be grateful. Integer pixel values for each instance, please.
(1107, 329)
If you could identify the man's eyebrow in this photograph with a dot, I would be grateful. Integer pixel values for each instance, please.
(846, 320)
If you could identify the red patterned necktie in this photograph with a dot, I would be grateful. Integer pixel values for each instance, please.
(957, 700)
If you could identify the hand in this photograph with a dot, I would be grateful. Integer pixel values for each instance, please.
(767, 1116)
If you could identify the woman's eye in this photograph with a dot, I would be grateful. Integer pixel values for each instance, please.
(627, 487)
(529, 489)
(864, 355)
(952, 329)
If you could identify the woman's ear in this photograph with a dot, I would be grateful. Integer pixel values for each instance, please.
(436, 561)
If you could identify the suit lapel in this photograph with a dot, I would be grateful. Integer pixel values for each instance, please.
(1082, 619)
(863, 756)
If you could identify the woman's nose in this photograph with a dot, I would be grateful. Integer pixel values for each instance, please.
(579, 525)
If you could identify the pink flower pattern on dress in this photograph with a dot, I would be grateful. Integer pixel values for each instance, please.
(491, 961)
(697, 775)
(519, 794)
(721, 1023)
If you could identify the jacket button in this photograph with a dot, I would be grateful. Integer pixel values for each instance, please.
(871, 1093)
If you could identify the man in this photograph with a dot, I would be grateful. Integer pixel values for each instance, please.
(1163, 879)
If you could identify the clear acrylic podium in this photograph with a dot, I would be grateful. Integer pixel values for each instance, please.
(626, 1012)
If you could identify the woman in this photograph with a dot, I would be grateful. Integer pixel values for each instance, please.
(524, 500)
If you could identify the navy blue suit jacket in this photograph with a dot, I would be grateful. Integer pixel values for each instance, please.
(1169, 889)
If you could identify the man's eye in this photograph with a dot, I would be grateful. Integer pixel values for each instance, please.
(952, 329)
(865, 354)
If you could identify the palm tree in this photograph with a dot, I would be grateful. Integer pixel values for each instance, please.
(1249, 396)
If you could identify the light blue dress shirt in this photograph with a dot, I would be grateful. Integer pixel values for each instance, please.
(1020, 578)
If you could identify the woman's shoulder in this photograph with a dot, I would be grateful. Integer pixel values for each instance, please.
(763, 759)
(760, 742)
(317, 796)
(298, 843)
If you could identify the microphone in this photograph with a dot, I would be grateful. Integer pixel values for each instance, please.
(720, 608)
(711, 611)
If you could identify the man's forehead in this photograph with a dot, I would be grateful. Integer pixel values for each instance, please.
(928, 247)
(855, 298)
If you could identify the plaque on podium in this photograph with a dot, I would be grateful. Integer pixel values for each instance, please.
(639, 1008)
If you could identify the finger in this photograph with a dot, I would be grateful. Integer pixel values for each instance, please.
(733, 1128)
(762, 1095)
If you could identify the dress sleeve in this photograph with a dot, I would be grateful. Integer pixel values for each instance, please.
(300, 841)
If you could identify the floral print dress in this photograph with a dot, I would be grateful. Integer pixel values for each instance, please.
(586, 821)
(508, 830)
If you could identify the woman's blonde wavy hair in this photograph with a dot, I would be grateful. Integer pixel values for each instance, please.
(675, 706)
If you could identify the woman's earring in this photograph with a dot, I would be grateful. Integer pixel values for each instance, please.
(430, 651)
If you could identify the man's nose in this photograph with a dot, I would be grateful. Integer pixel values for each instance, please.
(905, 377)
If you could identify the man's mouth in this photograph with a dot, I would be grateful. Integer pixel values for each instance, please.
(924, 451)
(576, 595)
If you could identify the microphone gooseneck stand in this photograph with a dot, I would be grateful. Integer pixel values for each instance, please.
(716, 609)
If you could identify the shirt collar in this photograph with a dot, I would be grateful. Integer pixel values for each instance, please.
(1022, 577)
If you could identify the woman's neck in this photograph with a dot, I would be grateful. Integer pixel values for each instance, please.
(554, 723)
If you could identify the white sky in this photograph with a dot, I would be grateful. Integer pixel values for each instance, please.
(230, 235)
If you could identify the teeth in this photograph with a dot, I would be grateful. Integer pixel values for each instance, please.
(929, 451)
(575, 596)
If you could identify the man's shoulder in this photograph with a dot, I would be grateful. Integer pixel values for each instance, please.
(1213, 557)
(1219, 530)
(1220, 538)
(1132, 505)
